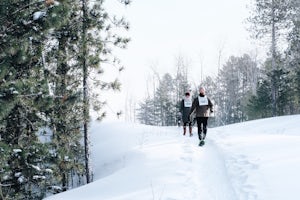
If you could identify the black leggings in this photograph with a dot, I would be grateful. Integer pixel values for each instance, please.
(202, 125)
(187, 124)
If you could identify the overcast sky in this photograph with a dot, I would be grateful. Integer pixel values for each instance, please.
(160, 30)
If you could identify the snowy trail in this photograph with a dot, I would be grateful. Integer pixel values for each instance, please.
(187, 172)
(201, 171)
(256, 160)
(208, 172)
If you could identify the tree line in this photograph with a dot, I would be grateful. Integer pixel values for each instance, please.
(52, 53)
(244, 88)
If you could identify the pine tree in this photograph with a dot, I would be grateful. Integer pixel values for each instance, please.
(41, 79)
(284, 93)
(161, 109)
(64, 78)
(259, 105)
(271, 17)
(96, 37)
(165, 99)
(23, 99)
(146, 112)
(293, 58)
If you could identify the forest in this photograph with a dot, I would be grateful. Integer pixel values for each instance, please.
(51, 56)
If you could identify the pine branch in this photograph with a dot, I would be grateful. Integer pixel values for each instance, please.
(22, 8)
(40, 94)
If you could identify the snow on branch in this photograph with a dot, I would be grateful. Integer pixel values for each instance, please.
(39, 14)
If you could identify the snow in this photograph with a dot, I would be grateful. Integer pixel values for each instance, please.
(36, 177)
(39, 14)
(56, 188)
(18, 174)
(37, 168)
(255, 160)
(21, 179)
(49, 171)
(17, 150)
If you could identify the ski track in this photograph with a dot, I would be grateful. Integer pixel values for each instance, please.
(238, 166)
(205, 172)
(209, 174)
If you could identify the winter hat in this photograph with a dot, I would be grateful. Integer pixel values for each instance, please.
(202, 87)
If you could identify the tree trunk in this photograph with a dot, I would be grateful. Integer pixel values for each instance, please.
(64, 182)
(85, 94)
(273, 60)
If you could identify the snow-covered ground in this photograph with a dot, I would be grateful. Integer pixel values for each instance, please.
(247, 161)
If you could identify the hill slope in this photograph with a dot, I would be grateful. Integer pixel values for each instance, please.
(247, 161)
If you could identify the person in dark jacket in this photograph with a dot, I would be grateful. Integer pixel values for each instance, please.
(185, 108)
(203, 106)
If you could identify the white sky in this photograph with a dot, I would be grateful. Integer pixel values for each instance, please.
(160, 30)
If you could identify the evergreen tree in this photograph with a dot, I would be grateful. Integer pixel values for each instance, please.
(271, 17)
(96, 38)
(283, 84)
(161, 109)
(165, 100)
(23, 99)
(259, 105)
(64, 78)
(146, 112)
(77, 47)
(96, 49)
(297, 92)
(293, 58)
(281, 80)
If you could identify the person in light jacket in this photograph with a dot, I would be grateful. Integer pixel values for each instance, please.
(203, 106)
(185, 108)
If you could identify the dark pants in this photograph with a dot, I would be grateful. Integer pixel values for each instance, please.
(187, 124)
(202, 126)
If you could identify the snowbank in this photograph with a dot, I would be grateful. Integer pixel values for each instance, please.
(247, 161)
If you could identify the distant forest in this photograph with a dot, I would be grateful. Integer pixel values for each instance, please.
(244, 88)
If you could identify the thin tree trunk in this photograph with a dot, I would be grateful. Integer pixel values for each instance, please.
(273, 60)
(1, 193)
(64, 182)
(85, 94)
